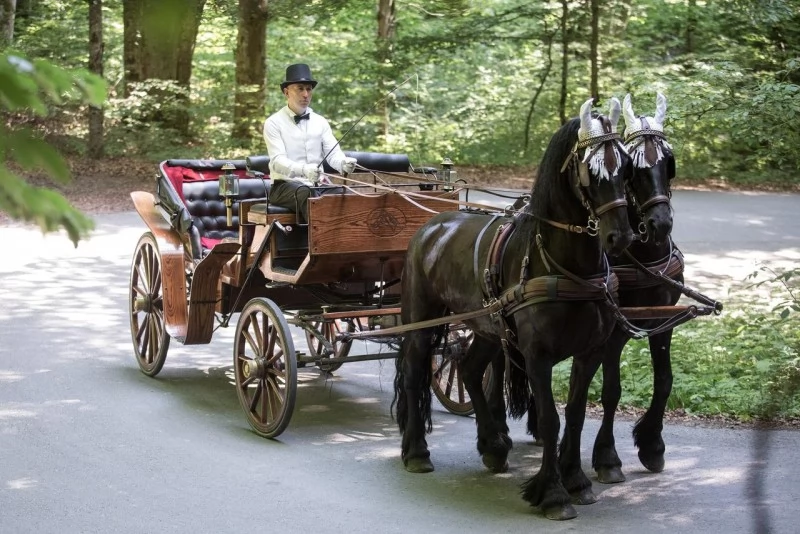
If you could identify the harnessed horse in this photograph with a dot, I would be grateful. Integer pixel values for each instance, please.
(549, 273)
(650, 212)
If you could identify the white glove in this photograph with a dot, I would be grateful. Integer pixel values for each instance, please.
(348, 165)
(311, 172)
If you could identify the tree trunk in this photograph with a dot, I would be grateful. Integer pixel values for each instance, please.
(251, 61)
(159, 40)
(691, 26)
(562, 103)
(7, 12)
(131, 45)
(593, 54)
(387, 25)
(95, 142)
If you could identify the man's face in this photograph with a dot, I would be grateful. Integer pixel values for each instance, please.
(298, 96)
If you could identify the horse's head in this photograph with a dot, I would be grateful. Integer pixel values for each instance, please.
(599, 170)
(653, 169)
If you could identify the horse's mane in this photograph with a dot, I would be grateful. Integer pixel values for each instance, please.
(561, 144)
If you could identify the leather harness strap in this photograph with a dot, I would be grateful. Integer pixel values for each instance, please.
(640, 276)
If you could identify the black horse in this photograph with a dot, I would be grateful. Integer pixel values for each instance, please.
(552, 278)
(650, 212)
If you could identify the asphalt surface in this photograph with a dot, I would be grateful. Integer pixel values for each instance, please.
(89, 444)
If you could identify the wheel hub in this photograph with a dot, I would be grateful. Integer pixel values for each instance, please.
(143, 303)
(255, 368)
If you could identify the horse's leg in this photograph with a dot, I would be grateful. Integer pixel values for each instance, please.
(493, 441)
(496, 396)
(647, 430)
(545, 489)
(414, 399)
(575, 480)
(605, 459)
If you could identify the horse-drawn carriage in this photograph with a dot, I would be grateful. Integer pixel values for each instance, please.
(216, 247)
(518, 290)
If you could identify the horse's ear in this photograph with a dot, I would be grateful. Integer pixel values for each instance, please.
(613, 113)
(586, 116)
(661, 108)
(627, 111)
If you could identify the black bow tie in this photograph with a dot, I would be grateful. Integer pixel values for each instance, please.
(298, 118)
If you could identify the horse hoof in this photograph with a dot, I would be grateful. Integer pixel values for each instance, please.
(610, 475)
(583, 497)
(654, 464)
(419, 465)
(495, 464)
(560, 512)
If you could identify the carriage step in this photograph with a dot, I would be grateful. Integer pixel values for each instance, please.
(284, 270)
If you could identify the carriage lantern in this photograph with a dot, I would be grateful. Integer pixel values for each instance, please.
(228, 189)
(448, 174)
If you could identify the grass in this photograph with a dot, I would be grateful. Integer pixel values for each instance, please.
(743, 364)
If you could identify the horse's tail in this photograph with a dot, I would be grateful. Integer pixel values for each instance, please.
(399, 404)
(517, 389)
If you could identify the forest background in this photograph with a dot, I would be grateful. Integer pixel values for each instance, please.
(117, 85)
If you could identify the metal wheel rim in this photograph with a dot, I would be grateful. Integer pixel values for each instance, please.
(265, 367)
(146, 307)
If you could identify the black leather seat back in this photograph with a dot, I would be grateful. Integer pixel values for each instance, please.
(207, 208)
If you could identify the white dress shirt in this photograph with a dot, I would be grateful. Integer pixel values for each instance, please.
(291, 145)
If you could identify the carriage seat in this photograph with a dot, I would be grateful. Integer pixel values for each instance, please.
(375, 161)
(188, 191)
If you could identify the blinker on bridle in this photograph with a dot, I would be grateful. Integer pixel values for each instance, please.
(641, 136)
(581, 169)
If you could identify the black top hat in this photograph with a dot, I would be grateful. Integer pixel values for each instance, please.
(299, 73)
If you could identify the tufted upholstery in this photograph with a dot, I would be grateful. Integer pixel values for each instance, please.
(207, 208)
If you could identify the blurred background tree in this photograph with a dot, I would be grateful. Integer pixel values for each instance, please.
(483, 82)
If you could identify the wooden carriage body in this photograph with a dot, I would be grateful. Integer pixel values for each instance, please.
(352, 242)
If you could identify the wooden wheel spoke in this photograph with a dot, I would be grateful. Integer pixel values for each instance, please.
(256, 397)
(451, 375)
(253, 343)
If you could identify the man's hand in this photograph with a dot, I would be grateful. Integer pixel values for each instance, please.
(311, 173)
(348, 165)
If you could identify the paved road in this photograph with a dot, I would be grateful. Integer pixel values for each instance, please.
(89, 444)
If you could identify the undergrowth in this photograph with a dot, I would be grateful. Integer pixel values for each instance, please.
(743, 364)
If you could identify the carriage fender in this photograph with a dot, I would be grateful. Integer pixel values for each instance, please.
(171, 252)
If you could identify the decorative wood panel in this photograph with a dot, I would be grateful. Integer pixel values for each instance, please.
(381, 224)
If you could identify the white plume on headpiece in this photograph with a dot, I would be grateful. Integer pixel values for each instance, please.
(634, 124)
(591, 128)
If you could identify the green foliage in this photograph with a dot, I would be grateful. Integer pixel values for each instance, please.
(465, 74)
(744, 363)
(34, 86)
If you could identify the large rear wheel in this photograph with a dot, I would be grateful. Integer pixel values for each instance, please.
(146, 307)
(265, 367)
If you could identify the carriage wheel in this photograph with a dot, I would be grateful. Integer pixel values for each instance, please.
(329, 330)
(146, 307)
(447, 381)
(265, 366)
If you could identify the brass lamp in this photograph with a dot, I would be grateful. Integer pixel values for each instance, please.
(228, 189)
(448, 174)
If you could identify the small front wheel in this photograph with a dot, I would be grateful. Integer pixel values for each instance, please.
(265, 367)
(329, 330)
